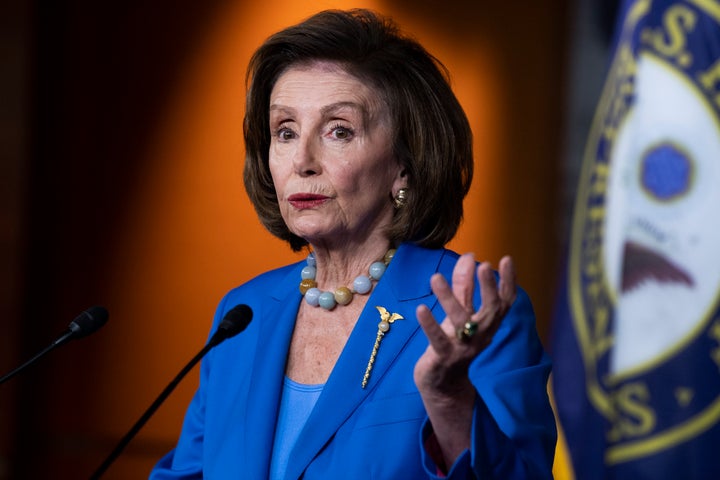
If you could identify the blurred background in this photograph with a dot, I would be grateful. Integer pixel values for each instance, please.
(121, 185)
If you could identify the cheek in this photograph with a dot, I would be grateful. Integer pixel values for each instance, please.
(277, 174)
(365, 187)
(382, 174)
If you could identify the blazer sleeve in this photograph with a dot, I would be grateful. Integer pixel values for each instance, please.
(185, 460)
(513, 431)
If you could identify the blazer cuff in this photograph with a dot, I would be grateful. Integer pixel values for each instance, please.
(488, 446)
(432, 458)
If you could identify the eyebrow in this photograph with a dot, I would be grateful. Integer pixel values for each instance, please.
(331, 109)
(365, 115)
(334, 107)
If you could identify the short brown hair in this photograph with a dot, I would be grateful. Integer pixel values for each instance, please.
(432, 137)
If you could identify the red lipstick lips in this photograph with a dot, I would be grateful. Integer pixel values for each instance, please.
(307, 200)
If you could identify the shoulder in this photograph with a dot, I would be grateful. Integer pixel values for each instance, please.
(276, 283)
(412, 256)
(272, 277)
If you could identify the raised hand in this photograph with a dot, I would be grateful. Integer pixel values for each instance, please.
(441, 373)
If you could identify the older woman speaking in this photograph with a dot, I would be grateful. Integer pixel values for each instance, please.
(384, 355)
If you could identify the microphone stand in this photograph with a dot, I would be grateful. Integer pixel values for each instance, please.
(149, 413)
(235, 321)
(47, 349)
(84, 324)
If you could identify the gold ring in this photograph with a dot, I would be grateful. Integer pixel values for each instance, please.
(466, 332)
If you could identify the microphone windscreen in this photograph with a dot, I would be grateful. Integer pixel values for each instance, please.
(235, 321)
(89, 321)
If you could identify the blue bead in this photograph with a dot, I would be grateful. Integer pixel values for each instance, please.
(326, 300)
(312, 296)
(311, 260)
(377, 269)
(362, 284)
(308, 272)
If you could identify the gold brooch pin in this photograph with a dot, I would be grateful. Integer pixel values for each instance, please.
(386, 319)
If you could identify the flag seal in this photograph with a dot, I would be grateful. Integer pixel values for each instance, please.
(644, 269)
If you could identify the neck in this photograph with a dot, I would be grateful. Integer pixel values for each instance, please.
(340, 266)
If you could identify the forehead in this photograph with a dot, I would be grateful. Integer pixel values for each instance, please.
(324, 82)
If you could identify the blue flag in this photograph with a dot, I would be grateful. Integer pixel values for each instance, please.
(637, 336)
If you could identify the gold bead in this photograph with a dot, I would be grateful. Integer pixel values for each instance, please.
(306, 284)
(343, 295)
(389, 256)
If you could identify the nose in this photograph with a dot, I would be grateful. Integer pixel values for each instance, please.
(305, 160)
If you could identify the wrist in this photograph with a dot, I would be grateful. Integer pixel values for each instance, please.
(450, 393)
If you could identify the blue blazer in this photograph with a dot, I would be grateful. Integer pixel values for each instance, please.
(371, 433)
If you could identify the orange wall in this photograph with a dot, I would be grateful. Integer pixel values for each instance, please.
(179, 230)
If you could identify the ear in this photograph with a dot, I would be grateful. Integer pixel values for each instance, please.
(401, 181)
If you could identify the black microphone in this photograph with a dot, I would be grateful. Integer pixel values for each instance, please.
(84, 324)
(234, 322)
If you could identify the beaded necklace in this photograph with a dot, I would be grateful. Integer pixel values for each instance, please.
(342, 295)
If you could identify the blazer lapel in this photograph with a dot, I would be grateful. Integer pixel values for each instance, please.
(268, 373)
(398, 292)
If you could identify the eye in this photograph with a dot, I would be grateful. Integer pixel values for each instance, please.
(342, 133)
(284, 134)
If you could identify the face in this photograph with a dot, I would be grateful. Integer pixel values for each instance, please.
(331, 156)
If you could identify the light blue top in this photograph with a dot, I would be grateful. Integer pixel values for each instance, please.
(296, 403)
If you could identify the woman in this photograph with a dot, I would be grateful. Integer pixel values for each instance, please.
(358, 149)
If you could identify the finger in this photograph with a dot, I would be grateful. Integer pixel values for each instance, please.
(463, 280)
(456, 313)
(488, 288)
(439, 341)
(486, 331)
(507, 289)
